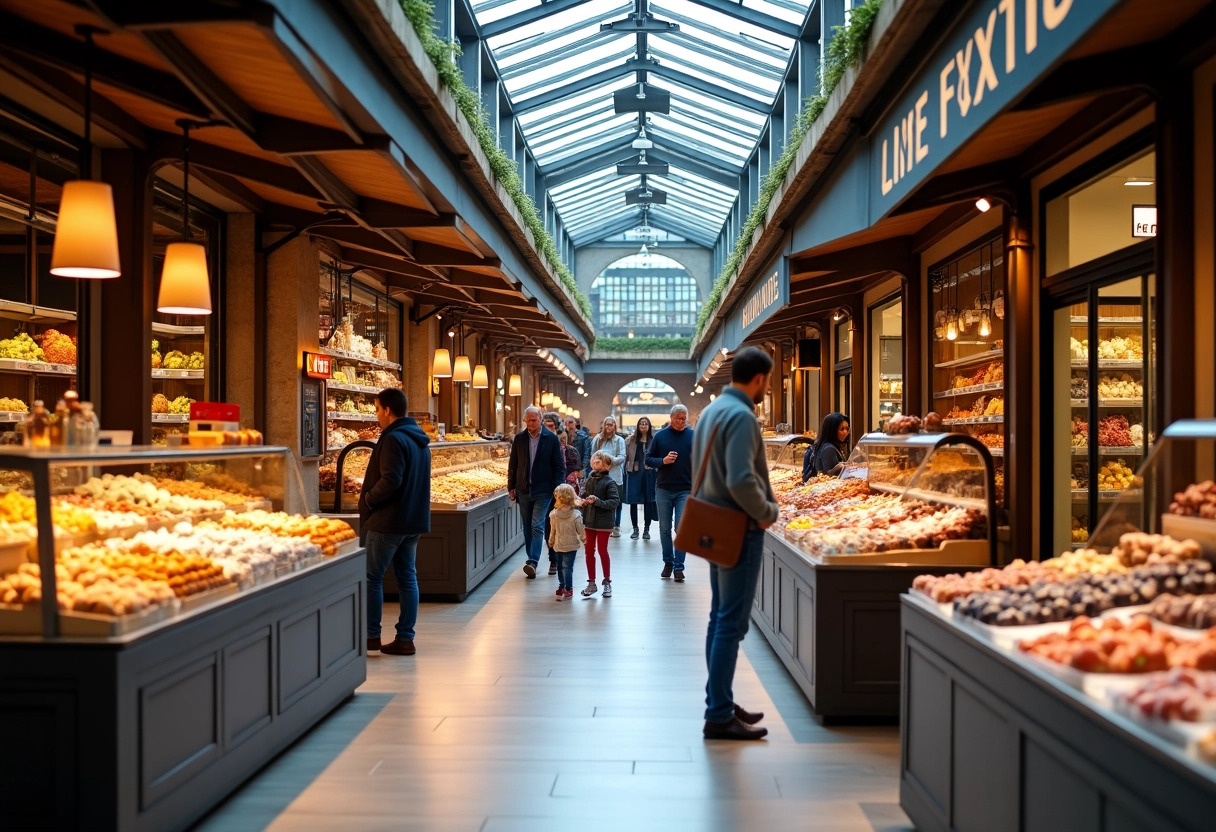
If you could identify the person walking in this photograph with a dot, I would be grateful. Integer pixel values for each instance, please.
(574, 472)
(612, 443)
(552, 422)
(601, 501)
(535, 468)
(670, 454)
(736, 477)
(828, 453)
(394, 510)
(580, 440)
(640, 478)
(566, 537)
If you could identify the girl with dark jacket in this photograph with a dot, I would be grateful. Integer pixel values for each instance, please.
(600, 500)
(639, 479)
(831, 449)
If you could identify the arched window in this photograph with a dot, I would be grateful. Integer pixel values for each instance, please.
(648, 397)
(646, 295)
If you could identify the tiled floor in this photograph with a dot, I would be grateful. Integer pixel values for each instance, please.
(521, 713)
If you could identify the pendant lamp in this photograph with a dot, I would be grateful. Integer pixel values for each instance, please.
(185, 286)
(86, 235)
(546, 399)
(441, 367)
(481, 378)
(515, 387)
(462, 371)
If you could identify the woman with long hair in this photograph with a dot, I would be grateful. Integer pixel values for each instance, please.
(831, 449)
(639, 479)
(612, 443)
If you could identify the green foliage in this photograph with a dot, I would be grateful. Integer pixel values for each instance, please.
(421, 15)
(680, 344)
(843, 52)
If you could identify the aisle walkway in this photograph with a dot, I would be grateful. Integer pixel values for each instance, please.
(521, 713)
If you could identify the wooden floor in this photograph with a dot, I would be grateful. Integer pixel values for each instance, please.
(521, 713)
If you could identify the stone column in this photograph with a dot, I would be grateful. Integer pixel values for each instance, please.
(242, 360)
(416, 370)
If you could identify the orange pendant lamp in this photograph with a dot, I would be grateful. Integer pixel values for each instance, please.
(185, 285)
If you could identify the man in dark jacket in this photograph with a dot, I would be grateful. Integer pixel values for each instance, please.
(671, 455)
(537, 466)
(394, 510)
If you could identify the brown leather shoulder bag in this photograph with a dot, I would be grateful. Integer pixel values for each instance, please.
(709, 530)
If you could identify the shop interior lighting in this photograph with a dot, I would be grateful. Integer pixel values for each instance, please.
(983, 204)
(839, 315)
(185, 286)
(86, 236)
(644, 252)
(700, 389)
(576, 413)
(1132, 181)
(580, 391)
(641, 142)
(462, 371)
(481, 378)
(515, 387)
(631, 331)
(546, 399)
(451, 333)
(441, 366)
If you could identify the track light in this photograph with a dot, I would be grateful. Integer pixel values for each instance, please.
(983, 204)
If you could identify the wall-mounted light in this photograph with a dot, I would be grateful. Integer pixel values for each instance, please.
(839, 315)
(441, 366)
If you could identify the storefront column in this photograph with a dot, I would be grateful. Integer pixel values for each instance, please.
(915, 399)
(1019, 377)
(241, 336)
(121, 388)
(777, 383)
(859, 420)
(293, 296)
(416, 373)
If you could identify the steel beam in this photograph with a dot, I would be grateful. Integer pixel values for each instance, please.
(756, 18)
(728, 94)
(582, 85)
(514, 21)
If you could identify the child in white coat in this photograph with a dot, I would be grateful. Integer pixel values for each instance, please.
(566, 535)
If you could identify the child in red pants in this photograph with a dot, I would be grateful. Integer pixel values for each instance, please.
(599, 501)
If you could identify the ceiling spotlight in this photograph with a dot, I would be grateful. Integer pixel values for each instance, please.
(641, 142)
(983, 204)
(725, 351)
(451, 333)
(700, 389)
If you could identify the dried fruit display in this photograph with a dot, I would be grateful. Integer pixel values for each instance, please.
(1115, 432)
(1115, 475)
(58, 348)
(160, 404)
(1080, 433)
(21, 346)
(1078, 387)
(1080, 528)
(1197, 500)
(1108, 646)
(13, 405)
(992, 440)
(945, 588)
(1197, 612)
(1182, 693)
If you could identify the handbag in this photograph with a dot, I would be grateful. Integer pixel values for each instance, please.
(707, 529)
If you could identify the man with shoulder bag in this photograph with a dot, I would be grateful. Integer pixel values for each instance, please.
(732, 477)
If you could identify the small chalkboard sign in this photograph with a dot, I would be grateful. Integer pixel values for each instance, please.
(312, 423)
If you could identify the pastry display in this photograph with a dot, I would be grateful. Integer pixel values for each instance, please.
(88, 586)
(121, 489)
(990, 373)
(1115, 475)
(1197, 500)
(945, 588)
(1121, 386)
(1197, 612)
(900, 423)
(1115, 432)
(1080, 528)
(1182, 693)
(1108, 646)
(326, 532)
(1079, 348)
(1121, 348)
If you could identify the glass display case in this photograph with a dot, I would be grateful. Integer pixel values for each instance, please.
(968, 332)
(787, 450)
(129, 537)
(919, 498)
(37, 361)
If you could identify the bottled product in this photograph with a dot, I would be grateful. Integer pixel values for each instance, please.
(37, 427)
(57, 421)
(68, 425)
(85, 426)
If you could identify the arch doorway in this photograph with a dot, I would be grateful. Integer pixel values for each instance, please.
(648, 397)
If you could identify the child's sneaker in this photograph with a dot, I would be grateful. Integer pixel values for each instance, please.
(569, 593)
(561, 594)
(590, 589)
(607, 588)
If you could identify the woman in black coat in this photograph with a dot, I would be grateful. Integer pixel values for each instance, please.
(831, 449)
(640, 480)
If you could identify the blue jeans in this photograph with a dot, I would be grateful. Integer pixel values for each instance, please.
(671, 509)
(533, 511)
(732, 593)
(565, 569)
(400, 550)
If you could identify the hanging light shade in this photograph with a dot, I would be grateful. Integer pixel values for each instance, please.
(86, 236)
(985, 324)
(481, 378)
(576, 413)
(441, 367)
(952, 328)
(462, 371)
(546, 399)
(515, 387)
(185, 288)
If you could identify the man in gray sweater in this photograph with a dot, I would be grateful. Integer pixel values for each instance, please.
(736, 476)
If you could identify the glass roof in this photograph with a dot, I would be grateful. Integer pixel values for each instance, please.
(722, 61)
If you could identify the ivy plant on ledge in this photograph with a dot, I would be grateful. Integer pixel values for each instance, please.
(844, 51)
(679, 344)
(442, 53)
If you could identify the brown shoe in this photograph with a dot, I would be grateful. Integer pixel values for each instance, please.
(399, 648)
(666, 571)
(748, 717)
(679, 576)
(373, 644)
(733, 729)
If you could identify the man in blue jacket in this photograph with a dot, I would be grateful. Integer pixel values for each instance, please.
(670, 454)
(394, 510)
(537, 466)
(736, 476)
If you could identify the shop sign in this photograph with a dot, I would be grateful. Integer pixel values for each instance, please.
(317, 366)
(770, 294)
(1144, 220)
(991, 54)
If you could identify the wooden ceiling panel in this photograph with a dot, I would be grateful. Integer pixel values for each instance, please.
(291, 200)
(1012, 134)
(899, 226)
(370, 174)
(62, 17)
(245, 60)
(1138, 21)
(448, 237)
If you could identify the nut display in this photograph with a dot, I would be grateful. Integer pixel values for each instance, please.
(1197, 612)
(1197, 500)
(1121, 348)
(1115, 475)
(1121, 386)
(13, 405)
(945, 588)
(21, 346)
(901, 423)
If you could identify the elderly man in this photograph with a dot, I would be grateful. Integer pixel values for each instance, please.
(671, 455)
(537, 466)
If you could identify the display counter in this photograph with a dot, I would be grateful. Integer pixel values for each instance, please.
(200, 629)
(474, 525)
(1077, 692)
(843, 552)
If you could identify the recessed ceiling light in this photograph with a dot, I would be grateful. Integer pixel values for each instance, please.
(1138, 182)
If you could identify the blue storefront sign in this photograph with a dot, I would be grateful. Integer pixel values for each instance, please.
(768, 294)
(992, 54)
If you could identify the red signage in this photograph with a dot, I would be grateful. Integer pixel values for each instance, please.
(317, 366)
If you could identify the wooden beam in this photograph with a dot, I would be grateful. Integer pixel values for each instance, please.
(893, 254)
(432, 254)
